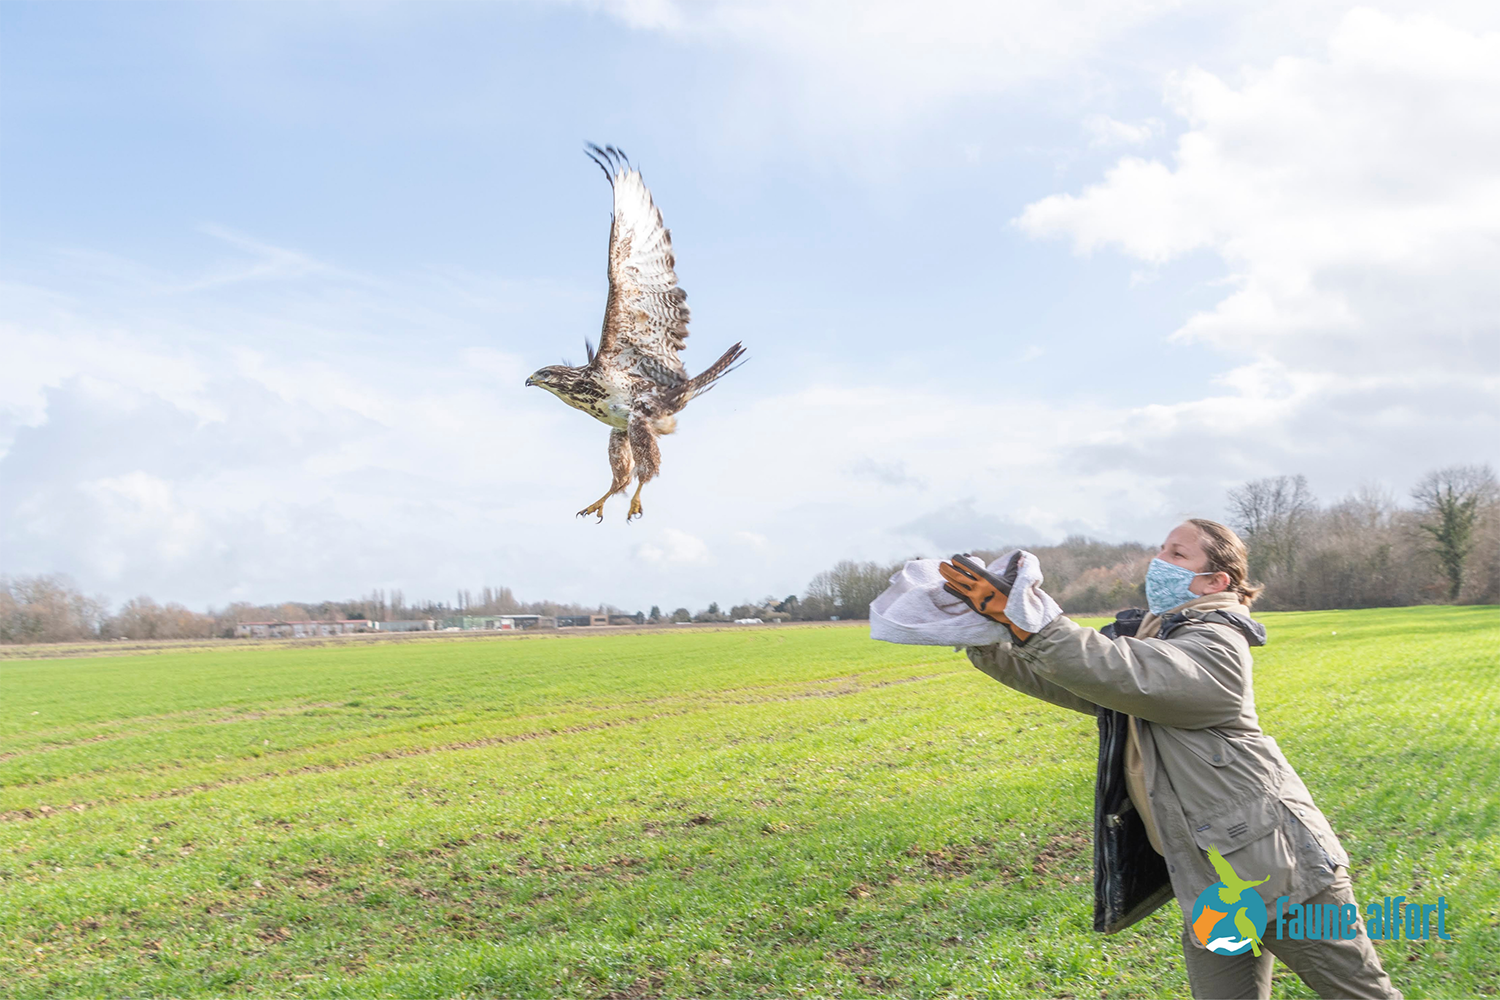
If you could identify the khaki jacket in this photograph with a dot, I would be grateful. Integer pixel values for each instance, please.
(1211, 776)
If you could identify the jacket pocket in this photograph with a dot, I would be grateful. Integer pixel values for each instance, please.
(1210, 747)
(1233, 828)
(1268, 860)
(1254, 843)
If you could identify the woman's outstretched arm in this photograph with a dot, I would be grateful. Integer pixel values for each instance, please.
(997, 661)
(1195, 680)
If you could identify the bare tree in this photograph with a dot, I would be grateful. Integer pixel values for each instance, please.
(495, 601)
(1087, 575)
(1484, 578)
(820, 602)
(143, 618)
(1361, 552)
(1272, 516)
(1452, 501)
(845, 591)
(1105, 588)
(47, 609)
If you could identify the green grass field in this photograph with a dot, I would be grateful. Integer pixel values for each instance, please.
(781, 812)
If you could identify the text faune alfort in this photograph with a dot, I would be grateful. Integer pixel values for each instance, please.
(1390, 920)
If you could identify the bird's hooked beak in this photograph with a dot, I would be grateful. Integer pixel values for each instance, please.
(530, 380)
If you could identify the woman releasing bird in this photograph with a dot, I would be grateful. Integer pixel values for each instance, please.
(1190, 790)
(635, 382)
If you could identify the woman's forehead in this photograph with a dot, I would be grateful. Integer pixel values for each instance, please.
(1184, 534)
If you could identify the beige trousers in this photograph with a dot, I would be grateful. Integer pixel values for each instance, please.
(1330, 968)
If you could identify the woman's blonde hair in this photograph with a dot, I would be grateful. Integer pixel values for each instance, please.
(1227, 555)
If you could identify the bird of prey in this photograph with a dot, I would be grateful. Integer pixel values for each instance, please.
(635, 382)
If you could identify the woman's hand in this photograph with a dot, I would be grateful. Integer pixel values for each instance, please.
(966, 578)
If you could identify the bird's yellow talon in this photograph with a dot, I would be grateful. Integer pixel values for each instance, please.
(635, 505)
(597, 507)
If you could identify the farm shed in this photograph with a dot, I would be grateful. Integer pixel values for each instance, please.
(581, 621)
(501, 623)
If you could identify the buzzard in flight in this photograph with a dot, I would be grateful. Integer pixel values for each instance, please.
(635, 382)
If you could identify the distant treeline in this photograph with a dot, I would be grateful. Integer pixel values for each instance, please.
(1364, 550)
(52, 609)
(1368, 551)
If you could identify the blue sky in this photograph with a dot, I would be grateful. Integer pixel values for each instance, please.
(274, 275)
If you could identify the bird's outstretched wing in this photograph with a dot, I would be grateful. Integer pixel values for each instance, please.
(1226, 874)
(1233, 884)
(645, 319)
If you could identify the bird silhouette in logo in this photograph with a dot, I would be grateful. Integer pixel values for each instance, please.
(1233, 884)
(1234, 887)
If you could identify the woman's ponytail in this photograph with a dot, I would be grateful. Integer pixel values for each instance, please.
(1227, 555)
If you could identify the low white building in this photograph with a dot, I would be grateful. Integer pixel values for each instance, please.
(414, 625)
(300, 630)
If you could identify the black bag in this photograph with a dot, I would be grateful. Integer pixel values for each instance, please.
(1130, 878)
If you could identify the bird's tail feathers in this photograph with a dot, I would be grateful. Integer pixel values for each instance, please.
(704, 380)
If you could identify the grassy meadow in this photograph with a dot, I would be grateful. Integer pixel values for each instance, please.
(781, 811)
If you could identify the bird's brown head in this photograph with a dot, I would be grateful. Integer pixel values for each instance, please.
(560, 380)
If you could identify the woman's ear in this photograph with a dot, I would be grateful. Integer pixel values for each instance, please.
(1216, 584)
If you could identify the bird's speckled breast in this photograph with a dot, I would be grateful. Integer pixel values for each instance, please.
(606, 398)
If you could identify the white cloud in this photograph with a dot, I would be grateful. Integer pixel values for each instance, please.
(1354, 200)
(1106, 131)
(137, 505)
(675, 547)
(267, 263)
(817, 72)
(896, 56)
(163, 433)
(883, 63)
(888, 472)
(752, 539)
(46, 339)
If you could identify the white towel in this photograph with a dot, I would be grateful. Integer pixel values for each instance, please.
(916, 611)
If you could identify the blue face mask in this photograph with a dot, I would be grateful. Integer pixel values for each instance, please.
(1167, 585)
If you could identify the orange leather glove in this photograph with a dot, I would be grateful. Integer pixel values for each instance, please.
(966, 578)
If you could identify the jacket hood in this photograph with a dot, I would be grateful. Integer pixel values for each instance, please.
(1224, 600)
(1223, 607)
